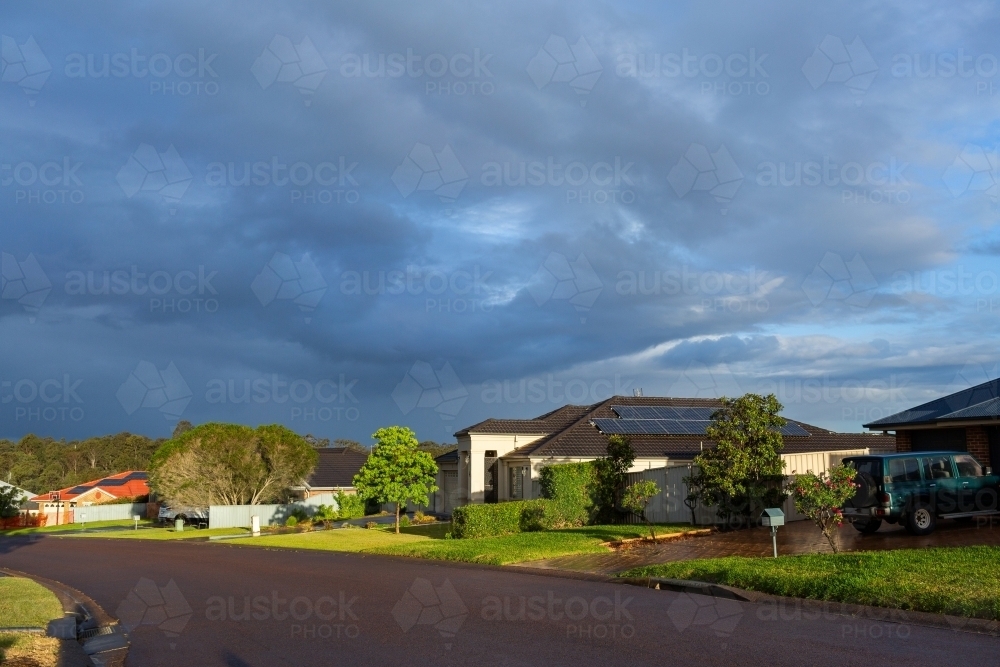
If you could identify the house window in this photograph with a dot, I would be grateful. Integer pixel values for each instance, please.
(518, 477)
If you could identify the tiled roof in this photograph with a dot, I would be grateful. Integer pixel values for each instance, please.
(557, 419)
(580, 438)
(128, 484)
(979, 402)
(336, 468)
(448, 457)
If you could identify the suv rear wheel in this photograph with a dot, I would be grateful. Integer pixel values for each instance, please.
(867, 526)
(921, 521)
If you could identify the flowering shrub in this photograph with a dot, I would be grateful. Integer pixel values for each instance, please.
(820, 498)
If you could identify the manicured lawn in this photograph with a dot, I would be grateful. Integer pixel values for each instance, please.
(522, 547)
(428, 542)
(962, 581)
(23, 603)
(69, 527)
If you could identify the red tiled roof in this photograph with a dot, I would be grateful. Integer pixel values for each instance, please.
(579, 438)
(126, 484)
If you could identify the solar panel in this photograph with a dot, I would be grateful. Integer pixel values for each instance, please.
(645, 426)
(662, 412)
(791, 428)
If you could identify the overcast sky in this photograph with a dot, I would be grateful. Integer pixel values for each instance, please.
(350, 215)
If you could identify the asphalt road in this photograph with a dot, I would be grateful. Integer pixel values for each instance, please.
(211, 604)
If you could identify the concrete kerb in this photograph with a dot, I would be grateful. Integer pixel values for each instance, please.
(845, 609)
(102, 639)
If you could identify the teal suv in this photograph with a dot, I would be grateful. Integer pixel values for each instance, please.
(918, 488)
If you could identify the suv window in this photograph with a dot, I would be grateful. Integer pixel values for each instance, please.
(968, 466)
(937, 467)
(904, 470)
(871, 466)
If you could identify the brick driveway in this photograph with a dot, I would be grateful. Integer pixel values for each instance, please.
(799, 537)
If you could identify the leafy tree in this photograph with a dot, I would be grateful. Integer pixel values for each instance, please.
(637, 497)
(611, 474)
(11, 498)
(743, 473)
(397, 472)
(230, 464)
(820, 498)
(183, 426)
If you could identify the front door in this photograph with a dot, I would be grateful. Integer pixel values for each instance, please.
(993, 436)
(491, 481)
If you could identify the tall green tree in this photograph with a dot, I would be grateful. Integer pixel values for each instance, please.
(231, 464)
(183, 426)
(610, 476)
(397, 471)
(743, 473)
(11, 498)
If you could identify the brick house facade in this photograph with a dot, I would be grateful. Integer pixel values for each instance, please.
(967, 421)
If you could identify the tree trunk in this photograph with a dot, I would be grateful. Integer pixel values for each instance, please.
(397, 518)
(831, 537)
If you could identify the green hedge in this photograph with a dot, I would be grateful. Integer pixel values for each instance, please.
(567, 490)
(570, 486)
(519, 516)
(488, 520)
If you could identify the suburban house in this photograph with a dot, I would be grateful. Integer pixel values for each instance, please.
(128, 484)
(334, 472)
(501, 459)
(966, 421)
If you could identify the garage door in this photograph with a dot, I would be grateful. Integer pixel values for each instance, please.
(450, 490)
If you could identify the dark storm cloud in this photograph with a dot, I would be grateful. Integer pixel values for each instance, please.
(687, 199)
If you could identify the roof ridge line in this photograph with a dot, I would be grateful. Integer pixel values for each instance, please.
(586, 415)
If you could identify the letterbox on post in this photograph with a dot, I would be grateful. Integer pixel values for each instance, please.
(772, 518)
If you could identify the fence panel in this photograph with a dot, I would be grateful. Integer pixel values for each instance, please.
(91, 513)
(238, 516)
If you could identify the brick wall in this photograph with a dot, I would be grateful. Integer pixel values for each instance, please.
(902, 441)
(978, 443)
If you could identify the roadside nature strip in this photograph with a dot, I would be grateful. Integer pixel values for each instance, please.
(960, 581)
(427, 542)
(26, 604)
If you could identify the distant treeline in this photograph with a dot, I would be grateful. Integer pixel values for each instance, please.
(40, 464)
(44, 464)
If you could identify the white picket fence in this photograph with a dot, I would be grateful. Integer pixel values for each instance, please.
(91, 513)
(238, 516)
